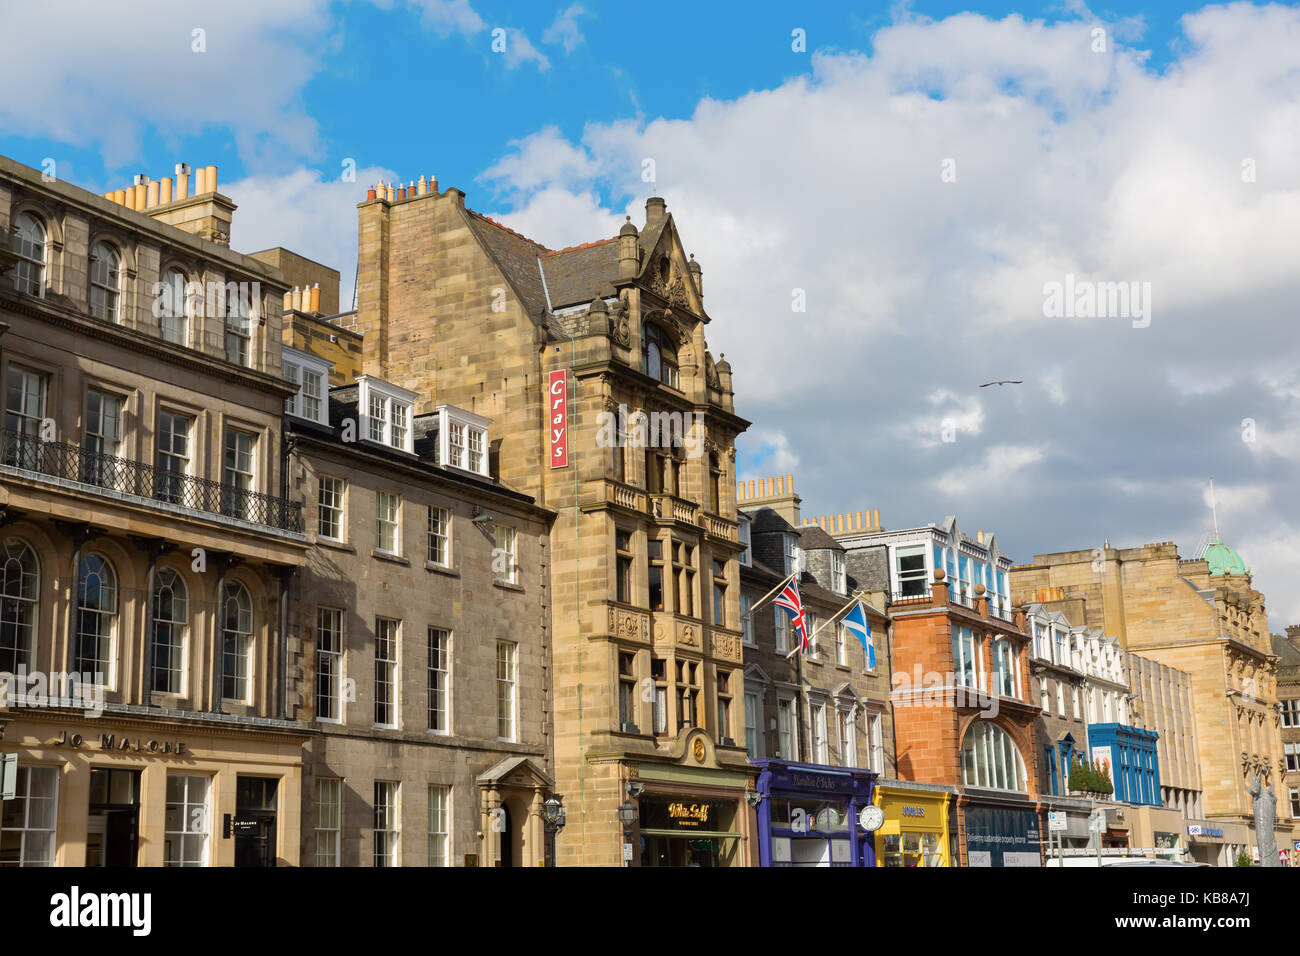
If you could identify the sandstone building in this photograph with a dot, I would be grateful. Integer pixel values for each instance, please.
(609, 412)
(1202, 617)
(149, 543)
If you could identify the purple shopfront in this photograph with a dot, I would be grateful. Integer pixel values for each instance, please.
(808, 815)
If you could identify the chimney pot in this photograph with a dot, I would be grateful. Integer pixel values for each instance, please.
(119, 196)
(151, 195)
(297, 299)
(211, 178)
(423, 187)
(165, 191)
(315, 298)
(388, 192)
(370, 193)
(401, 192)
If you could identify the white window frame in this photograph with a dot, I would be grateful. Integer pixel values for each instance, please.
(338, 510)
(383, 521)
(303, 369)
(507, 684)
(440, 665)
(188, 818)
(440, 811)
(47, 836)
(390, 800)
(328, 835)
(820, 744)
(839, 575)
(376, 401)
(472, 437)
(439, 533)
(335, 658)
(746, 620)
(787, 727)
(743, 536)
(507, 541)
(387, 669)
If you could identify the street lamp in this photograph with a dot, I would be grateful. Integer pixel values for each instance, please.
(554, 816)
(628, 812)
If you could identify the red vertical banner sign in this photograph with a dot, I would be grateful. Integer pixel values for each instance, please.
(559, 418)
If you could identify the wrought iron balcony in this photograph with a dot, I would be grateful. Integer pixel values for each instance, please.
(122, 476)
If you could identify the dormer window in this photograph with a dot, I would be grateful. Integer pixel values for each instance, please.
(310, 374)
(385, 413)
(463, 440)
(839, 580)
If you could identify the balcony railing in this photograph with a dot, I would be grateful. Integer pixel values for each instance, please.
(912, 595)
(678, 509)
(120, 475)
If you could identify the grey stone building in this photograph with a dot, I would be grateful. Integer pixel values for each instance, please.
(424, 615)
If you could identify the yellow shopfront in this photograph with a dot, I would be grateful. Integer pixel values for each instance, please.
(915, 831)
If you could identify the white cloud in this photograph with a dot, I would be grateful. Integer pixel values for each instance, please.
(565, 28)
(306, 213)
(1000, 467)
(519, 50)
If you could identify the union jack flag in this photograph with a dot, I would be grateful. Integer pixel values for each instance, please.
(790, 602)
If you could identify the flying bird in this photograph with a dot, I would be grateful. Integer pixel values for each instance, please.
(1003, 382)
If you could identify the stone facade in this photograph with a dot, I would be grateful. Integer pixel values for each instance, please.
(465, 312)
(137, 551)
(1212, 627)
(453, 608)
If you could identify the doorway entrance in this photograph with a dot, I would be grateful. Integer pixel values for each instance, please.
(113, 827)
(254, 824)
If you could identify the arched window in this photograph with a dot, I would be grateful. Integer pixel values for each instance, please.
(96, 617)
(19, 590)
(105, 282)
(715, 484)
(658, 355)
(237, 638)
(170, 626)
(989, 758)
(29, 245)
(175, 308)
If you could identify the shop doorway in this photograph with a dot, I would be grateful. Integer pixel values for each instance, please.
(679, 851)
(254, 824)
(113, 825)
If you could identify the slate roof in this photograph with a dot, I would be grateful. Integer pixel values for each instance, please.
(1288, 655)
(574, 276)
(767, 520)
(813, 538)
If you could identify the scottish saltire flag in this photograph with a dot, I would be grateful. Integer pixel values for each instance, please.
(856, 621)
(789, 601)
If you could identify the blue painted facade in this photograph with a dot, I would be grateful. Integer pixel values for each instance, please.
(810, 812)
(1135, 765)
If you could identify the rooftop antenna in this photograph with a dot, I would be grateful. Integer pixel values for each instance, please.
(1214, 510)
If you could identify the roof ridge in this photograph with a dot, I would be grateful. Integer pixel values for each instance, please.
(505, 228)
(583, 245)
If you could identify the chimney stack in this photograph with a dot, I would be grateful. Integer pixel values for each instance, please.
(655, 211)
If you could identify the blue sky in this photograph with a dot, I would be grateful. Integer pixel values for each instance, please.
(1169, 158)
(387, 89)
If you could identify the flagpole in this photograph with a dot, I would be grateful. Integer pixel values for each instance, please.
(759, 603)
(857, 596)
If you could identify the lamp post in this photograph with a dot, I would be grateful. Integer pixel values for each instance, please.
(628, 812)
(554, 815)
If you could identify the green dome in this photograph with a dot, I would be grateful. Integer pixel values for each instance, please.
(1223, 560)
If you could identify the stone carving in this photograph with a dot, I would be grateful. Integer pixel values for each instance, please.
(711, 373)
(1265, 801)
(620, 323)
(686, 635)
(661, 633)
(724, 645)
(627, 624)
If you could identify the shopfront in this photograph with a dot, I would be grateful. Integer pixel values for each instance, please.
(123, 792)
(915, 831)
(1002, 834)
(809, 815)
(1216, 842)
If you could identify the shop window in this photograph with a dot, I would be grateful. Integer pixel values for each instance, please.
(912, 849)
(27, 827)
(187, 821)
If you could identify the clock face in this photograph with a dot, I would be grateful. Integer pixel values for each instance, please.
(871, 818)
